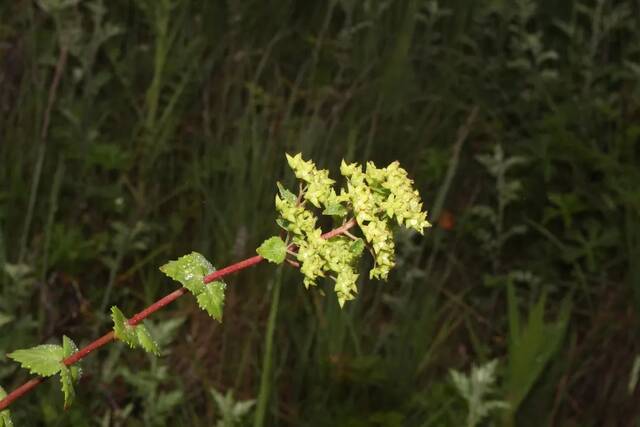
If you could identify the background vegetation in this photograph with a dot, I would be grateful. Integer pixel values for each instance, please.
(132, 132)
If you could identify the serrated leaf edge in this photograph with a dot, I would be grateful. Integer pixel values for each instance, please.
(130, 334)
(143, 332)
(266, 250)
(5, 415)
(15, 355)
(66, 380)
(207, 293)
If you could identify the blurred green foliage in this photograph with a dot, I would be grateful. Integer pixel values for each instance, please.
(132, 132)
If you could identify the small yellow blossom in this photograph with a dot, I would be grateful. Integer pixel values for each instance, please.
(374, 197)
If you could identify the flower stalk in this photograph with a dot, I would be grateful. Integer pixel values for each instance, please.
(139, 317)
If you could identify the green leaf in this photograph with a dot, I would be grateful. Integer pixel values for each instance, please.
(273, 250)
(5, 419)
(123, 330)
(189, 270)
(532, 345)
(42, 360)
(477, 389)
(286, 194)
(357, 246)
(69, 348)
(283, 223)
(5, 416)
(66, 379)
(146, 341)
(134, 336)
(212, 299)
(335, 209)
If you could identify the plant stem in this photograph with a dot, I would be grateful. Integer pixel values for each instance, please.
(44, 132)
(265, 377)
(139, 317)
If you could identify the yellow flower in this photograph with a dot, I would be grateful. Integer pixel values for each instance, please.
(374, 197)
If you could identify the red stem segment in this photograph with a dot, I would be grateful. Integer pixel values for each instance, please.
(139, 317)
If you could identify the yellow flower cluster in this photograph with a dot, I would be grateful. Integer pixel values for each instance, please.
(370, 218)
(375, 197)
(298, 220)
(378, 196)
(317, 255)
(402, 200)
(320, 188)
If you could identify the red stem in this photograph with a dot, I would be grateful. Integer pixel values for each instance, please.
(139, 317)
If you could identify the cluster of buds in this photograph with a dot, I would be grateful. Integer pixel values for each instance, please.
(375, 197)
(317, 256)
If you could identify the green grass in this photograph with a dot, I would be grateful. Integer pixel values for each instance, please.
(166, 133)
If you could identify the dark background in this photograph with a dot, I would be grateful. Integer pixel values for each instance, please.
(133, 132)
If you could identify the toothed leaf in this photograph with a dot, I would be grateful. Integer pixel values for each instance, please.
(146, 341)
(283, 223)
(212, 299)
(68, 349)
(5, 416)
(68, 346)
(42, 360)
(286, 194)
(66, 379)
(273, 250)
(5, 419)
(189, 270)
(335, 209)
(123, 330)
(357, 246)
